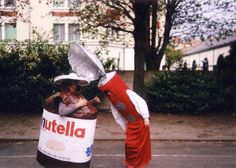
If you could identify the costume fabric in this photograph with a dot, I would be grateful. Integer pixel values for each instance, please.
(65, 105)
(130, 115)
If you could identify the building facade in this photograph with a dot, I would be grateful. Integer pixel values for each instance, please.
(207, 52)
(199, 54)
(54, 21)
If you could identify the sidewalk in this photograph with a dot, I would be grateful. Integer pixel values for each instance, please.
(163, 127)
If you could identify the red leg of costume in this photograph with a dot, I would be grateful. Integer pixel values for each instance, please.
(138, 148)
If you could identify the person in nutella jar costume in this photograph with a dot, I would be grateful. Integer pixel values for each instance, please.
(67, 126)
(69, 100)
(130, 111)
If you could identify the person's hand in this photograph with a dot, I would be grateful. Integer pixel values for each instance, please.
(82, 102)
(52, 97)
(146, 122)
(56, 94)
(124, 131)
(95, 100)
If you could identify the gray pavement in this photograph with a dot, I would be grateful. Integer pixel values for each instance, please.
(164, 127)
(165, 154)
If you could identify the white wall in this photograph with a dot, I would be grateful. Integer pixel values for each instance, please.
(124, 54)
(211, 55)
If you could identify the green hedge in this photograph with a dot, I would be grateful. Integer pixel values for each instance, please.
(27, 72)
(193, 92)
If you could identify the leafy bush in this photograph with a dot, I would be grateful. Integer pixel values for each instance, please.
(27, 72)
(226, 71)
(188, 91)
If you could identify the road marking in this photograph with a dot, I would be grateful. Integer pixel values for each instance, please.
(18, 156)
(200, 156)
(122, 155)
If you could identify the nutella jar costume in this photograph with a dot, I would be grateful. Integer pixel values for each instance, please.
(129, 110)
(66, 137)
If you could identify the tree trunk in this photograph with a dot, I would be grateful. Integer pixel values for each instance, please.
(156, 53)
(151, 53)
(168, 25)
(141, 10)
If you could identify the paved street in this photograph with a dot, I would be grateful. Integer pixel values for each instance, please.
(110, 154)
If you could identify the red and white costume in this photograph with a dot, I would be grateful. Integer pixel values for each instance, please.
(130, 112)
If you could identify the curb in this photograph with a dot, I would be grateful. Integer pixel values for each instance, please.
(153, 140)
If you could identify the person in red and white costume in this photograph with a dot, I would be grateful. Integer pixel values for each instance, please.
(131, 112)
(128, 108)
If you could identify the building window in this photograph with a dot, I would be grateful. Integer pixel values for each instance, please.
(194, 65)
(73, 32)
(59, 32)
(1, 32)
(205, 64)
(10, 31)
(8, 3)
(73, 3)
(65, 3)
(59, 3)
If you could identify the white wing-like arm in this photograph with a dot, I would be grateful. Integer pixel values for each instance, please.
(139, 103)
(118, 117)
